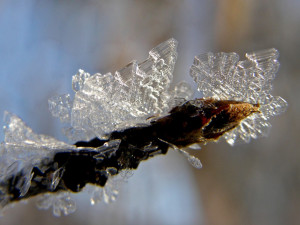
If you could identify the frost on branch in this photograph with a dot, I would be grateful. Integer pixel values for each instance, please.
(104, 103)
(23, 148)
(21, 151)
(119, 120)
(223, 76)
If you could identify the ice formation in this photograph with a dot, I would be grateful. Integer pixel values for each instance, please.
(135, 96)
(143, 91)
(22, 148)
(59, 202)
(104, 103)
(223, 76)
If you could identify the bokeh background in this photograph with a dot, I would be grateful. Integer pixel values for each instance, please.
(43, 43)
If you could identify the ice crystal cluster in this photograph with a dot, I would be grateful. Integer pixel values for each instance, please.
(104, 103)
(24, 149)
(223, 76)
(21, 151)
(128, 98)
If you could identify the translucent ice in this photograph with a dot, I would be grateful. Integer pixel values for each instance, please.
(79, 79)
(222, 76)
(24, 149)
(60, 203)
(110, 191)
(60, 106)
(108, 149)
(55, 178)
(194, 161)
(21, 151)
(104, 103)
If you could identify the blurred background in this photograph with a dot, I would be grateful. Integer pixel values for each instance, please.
(43, 43)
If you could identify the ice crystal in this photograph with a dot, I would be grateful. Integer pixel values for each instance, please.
(55, 178)
(24, 149)
(110, 191)
(21, 151)
(104, 103)
(60, 106)
(180, 94)
(223, 76)
(79, 79)
(108, 149)
(60, 203)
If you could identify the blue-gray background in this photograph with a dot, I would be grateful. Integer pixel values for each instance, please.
(43, 43)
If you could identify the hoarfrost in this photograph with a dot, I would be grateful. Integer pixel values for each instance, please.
(79, 79)
(60, 106)
(194, 161)
(129, 97)
(222, 76)
(23, 149)
(104, 103)
(111, 189)
(60, 203)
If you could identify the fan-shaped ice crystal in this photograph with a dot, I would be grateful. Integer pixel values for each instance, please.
(108, 102)
(223, 76)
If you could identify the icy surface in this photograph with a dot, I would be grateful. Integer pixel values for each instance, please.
(104, 103)
(222, 76)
